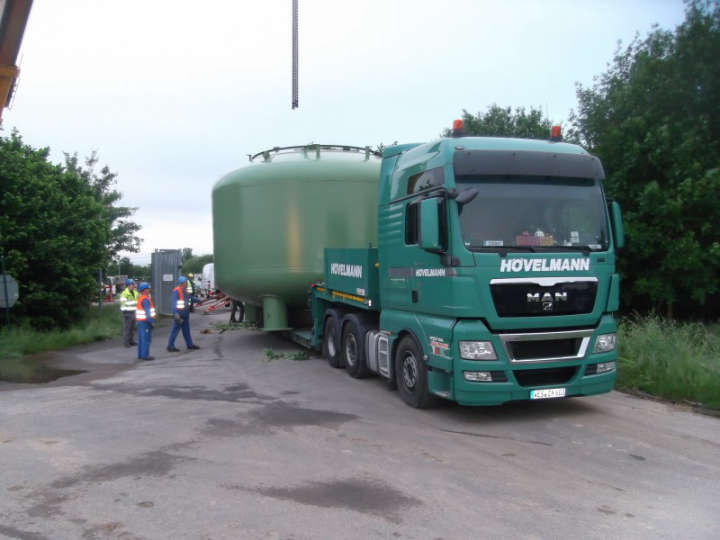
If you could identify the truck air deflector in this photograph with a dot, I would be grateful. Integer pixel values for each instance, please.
(526, 163)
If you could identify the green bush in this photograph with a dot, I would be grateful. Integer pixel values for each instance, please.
(671, 360)
(96, 325)
(59, 225)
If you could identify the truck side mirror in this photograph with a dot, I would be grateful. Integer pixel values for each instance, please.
(617, 225)
(466, 195)
(430, 224)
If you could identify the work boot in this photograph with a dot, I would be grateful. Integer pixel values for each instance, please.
(149, 358)
(173, 349)
(192, 347)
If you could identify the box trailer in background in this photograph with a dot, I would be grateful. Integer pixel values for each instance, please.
(208, 278)
(165, 269)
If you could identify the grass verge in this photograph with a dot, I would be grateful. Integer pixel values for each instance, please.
(18, 342)
(677, 361)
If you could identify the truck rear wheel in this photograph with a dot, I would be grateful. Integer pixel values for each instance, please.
(331, 338)
(353, 346)
(411, 375)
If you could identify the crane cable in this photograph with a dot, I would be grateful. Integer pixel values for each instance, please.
(294, 54)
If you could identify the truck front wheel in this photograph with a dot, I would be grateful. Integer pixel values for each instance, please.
(331, 338)
(411, 375)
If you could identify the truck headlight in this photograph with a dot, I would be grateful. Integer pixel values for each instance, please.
(604, 343)
(477, 350)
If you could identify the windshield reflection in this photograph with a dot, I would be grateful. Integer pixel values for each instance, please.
(534, 213)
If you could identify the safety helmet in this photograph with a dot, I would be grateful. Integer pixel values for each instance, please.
(190, 275)
(129, 281)
(181, 280)
(143, 286)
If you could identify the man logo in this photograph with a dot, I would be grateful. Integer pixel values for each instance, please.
(546, 299)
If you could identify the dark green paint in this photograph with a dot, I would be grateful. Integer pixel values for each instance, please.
(342, 267)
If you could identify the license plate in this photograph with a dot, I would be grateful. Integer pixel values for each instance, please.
(547, 393)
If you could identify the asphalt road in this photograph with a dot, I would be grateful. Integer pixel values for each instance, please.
(224, 443)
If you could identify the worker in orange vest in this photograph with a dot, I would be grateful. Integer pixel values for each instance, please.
(180, 305)
(145, 317)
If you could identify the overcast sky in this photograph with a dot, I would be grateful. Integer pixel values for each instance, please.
(173, 94)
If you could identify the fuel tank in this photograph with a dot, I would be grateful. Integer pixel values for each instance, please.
(273, 219)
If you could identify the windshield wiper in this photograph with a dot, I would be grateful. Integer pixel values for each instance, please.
(502, 250)
(584, 249)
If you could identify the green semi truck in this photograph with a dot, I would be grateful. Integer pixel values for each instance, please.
(474, 269)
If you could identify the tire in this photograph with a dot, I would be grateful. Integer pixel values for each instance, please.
(353, 346)
(331, 338)
(411, 375)
(238, 312)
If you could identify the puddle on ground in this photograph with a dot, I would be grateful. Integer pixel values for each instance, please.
(33, 371)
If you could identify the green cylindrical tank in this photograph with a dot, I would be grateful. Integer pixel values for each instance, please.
(272, 221)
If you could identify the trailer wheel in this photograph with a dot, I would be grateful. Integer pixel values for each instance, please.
(331, 338)
(238, 312)
(411, 375)
(353, 346)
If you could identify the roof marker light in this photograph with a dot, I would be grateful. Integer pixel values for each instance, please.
(556, 133)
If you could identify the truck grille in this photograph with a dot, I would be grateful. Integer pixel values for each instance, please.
(544, 377)
(552, 348)
(530, 298)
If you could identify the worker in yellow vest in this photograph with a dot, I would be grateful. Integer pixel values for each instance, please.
(190, 289)
(128, 302)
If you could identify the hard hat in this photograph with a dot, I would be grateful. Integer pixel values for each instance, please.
(190, 275)
(129, 281)
(181, 280)
(143, 286)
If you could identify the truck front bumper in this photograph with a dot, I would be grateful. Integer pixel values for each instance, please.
(516, 378)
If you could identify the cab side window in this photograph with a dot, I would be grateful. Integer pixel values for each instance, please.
(411, 223)
(426, 179)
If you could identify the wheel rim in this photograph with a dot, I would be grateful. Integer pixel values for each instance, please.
(409, 370)
(350, 350)
(331, 341)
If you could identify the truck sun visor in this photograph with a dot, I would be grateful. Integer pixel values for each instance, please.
(526, 163)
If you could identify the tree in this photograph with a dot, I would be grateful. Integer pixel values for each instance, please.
(53, 234)
(504, 122)
(125, 267)
(652, 118)
(186, 253)
(122, 231)
(195, 264)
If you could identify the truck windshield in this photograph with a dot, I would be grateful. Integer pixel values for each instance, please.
(533, 213)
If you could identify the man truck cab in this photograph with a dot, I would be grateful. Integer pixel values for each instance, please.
(495, 274)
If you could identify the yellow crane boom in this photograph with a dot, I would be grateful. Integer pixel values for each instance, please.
(13, 18)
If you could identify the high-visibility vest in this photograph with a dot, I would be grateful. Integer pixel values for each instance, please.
(128, 299)
(189, 287)
(180, 304)
(140, 310)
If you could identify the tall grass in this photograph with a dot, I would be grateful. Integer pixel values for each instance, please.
(678, 361)
(98, 324)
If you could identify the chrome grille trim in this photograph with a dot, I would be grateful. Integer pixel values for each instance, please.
(584, 335)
